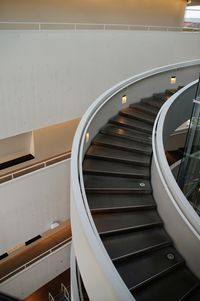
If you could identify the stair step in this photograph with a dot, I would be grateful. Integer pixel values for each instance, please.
(120, 143)
(133, 243)
(145, 108)
(132, 124)
(116, 130)
(134, 114)
(107, 223)
(173, 286)
(117, 184)
(171, 91)
(174, 155)
(107, 153)
(140, 270)
(157, 103)
(193, 294)
(161, 97)
(118, 201)
(103, 167)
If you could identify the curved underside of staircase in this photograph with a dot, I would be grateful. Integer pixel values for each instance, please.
(117, 182)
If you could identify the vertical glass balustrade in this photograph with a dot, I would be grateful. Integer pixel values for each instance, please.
(64, 294)
(189, 172)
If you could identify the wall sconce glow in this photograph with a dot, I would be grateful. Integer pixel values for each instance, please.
(124, 99)
(173, 80)
(87, 137)
(54, 225)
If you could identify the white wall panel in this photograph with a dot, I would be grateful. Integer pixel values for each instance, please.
(31, 202)
(52, 76)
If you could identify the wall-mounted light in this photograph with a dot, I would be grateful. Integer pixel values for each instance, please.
(87, 137)
(54, 225)
(124, 99)
(173, 80)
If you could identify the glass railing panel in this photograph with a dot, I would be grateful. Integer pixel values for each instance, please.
(189, 172)
(64, 294)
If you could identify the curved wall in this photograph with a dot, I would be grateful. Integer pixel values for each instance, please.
(49, 77)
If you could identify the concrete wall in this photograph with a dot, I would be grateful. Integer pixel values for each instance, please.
(30, 203)
(54, 140)
(49, 77)
(157, 12)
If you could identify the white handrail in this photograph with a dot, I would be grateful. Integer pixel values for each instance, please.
(83, 227)
(75, 26)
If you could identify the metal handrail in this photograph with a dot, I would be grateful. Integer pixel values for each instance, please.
(36, 164)
(28, 263)
(78, 26)
(50, 297)
(64, 290)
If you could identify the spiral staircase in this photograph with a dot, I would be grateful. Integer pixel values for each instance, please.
(121, 227)
(118, 188)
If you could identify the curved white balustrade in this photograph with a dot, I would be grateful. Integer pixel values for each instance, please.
(89, 26)
(181, 221)
(100, 277)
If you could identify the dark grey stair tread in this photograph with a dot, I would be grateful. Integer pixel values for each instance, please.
(117, 142)
(132, 113)
(158, 103)
(161, 96)
(124, 244)
(132, 124)
(194, 294)
(146, 108)
(171, 91)
(119, 221)
(136, 271)
(126, 133)
(101, 201)
(174, 156)
(172, 287)
(107, 153)
(96, 182)
(94, 166)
